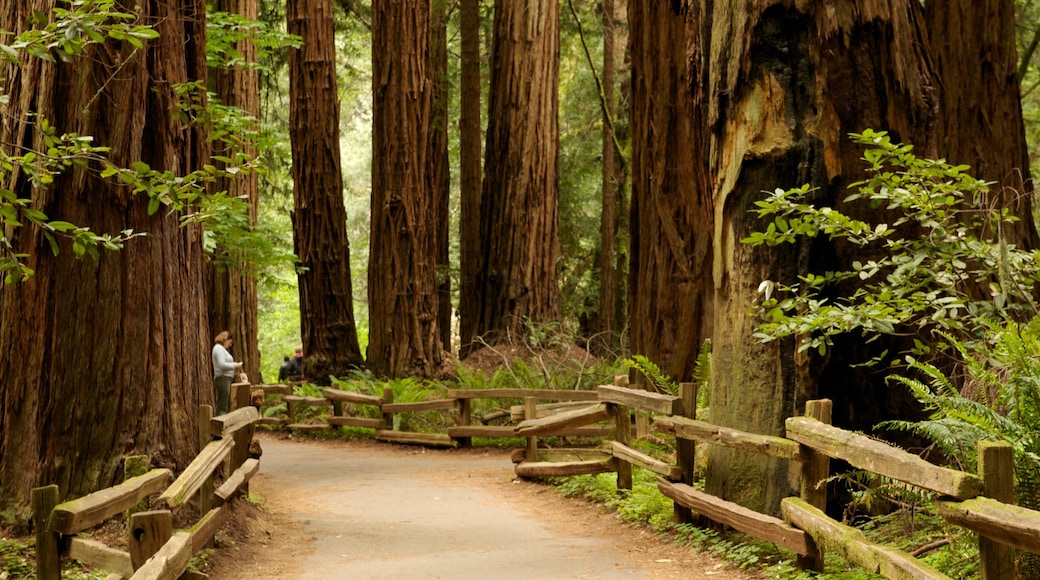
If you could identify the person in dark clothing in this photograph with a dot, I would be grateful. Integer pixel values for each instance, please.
(296, 366)
(285, 370)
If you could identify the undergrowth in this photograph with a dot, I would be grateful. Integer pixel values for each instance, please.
(944, 547)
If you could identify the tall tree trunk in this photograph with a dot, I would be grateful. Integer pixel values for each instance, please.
(231, 291)
(109, 357)
(469, 169)
(330, 343)
(519, 225)
(669, 291)
(402, 276)
(440, 181)
(607, 311)
(980, 105)
(787, 86)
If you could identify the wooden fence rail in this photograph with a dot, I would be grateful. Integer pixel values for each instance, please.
(809, 441)
(979, 502)
(153, 551)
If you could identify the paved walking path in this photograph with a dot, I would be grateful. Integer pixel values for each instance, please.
(377, 511)
(388, 516)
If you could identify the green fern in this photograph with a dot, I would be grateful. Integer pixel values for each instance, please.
(1000, 401)
(655, 377)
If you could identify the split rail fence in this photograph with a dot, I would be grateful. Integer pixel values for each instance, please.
(981, 502)
(154, 550)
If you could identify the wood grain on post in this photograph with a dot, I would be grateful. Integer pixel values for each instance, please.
(388, 398)
(685, 450)
(465, 418)
(148, 532)
(623, 436)
(48, 562)
(205, 436)
(997, 470)
(241, 394)
(815, 470)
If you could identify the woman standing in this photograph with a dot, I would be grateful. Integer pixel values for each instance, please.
(224, 367)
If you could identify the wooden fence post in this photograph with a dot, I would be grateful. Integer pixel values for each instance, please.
(623, 435)
(997, 471)
(531, 412)
(48, 561)
(205, 436)
(685, 450)
(465, 417)
(388, 418)
(815, 470)
(147, 533)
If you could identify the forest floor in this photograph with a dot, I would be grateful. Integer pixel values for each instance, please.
(327, 509)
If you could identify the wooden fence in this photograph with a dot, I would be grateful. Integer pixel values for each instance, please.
(154, 550)
(981, 502)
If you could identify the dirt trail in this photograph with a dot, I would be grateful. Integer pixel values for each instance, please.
(339, 509)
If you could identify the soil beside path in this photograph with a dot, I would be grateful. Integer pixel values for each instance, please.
(348, 509)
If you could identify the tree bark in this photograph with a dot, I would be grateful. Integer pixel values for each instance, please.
(609, 337)
(402, 278)
(110, 357)
(231, 290)
(671, 216)
(330, 343)
(980, 105)
(787, 86)
(470, 174)
(519, 228)
(440, 181)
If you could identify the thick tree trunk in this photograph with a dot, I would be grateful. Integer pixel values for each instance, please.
(607, 331)
(104, 358)
(440, 181)
(787, 87)
(669, 291)
(330, 343)
(231, 291)
(469, 169)
(402, 274)
(519, 224)
(980, 105)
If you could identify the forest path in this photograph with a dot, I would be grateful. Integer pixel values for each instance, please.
(357, 509)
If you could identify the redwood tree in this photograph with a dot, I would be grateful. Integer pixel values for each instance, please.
(788, 83)
(469, 170)
(980, 105)
(440, 175)
(109, 357)
(330, 343)
(402, 273)
(516, 280)
(671, 222)
(607, 315)
(230, 285)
